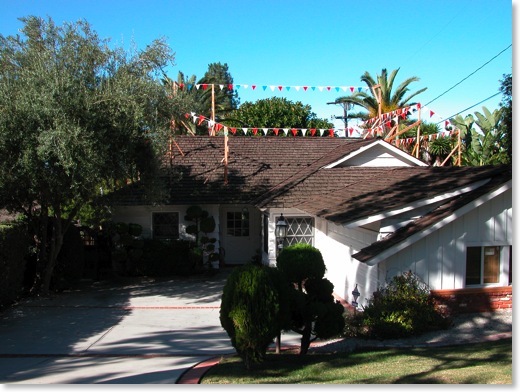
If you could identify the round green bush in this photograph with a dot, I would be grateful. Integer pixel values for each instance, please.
(301, 261)
(254, 310)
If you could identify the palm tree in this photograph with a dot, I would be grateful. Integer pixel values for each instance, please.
(380, 98)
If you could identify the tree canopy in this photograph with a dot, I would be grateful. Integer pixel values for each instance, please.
(382, 97)
(77, 117)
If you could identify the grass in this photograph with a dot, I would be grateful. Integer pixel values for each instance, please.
(480, 363)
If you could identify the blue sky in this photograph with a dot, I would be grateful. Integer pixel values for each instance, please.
(313, 43)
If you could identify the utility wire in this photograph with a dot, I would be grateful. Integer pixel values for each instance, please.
(478, 69)
(471, 107)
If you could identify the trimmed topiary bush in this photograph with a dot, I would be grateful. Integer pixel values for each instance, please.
(254, 310)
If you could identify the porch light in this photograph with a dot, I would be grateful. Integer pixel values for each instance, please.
(281, 227)
(355, 296)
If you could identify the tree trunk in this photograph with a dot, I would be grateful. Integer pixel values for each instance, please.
(306, 338)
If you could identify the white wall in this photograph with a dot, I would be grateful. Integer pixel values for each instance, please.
(440, 258)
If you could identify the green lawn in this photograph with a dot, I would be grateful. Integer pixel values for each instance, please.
(481, 363)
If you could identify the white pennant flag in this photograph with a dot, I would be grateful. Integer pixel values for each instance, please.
(272, 88)
(221, 86)
(286, 131)
(297, 88)
(322, 131)
(304, 132)
(265, 130)
(197, 86)
(320, 88)
(245, 130)
(194, 119)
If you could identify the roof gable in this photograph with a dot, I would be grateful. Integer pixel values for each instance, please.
(377, 154)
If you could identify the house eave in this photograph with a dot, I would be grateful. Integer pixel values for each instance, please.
(376, 259)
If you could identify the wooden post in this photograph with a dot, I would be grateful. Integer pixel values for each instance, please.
(459, 143)
(418, 135)
(226, 153)
(213, 109)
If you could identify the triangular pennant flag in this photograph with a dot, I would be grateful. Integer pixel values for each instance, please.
(265, 131)
(286, 130)
(297, 88)
(328, 88)
(275, 130)
(313, 88)
(272, 88)
(305, 88)
(294, 131)
(313, 131)
(320, 88)
(253, 86)
(304, 132)
(359, 89)
(321, 132)
(201, 119)
(331, 132)
(230, 86)
(288, 88)
(431, 113)
(255, 130)
(337, 89)
(195, 119)
(352, 89)
(344, 88)
(233, 130)
(237, 86)
(181, 86)
(280, 88)
(221, 86)
(264, 87)
(190, 86)
(245, 85)
(204, 86)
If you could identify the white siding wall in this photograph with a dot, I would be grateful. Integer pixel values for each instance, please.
(337, 245)
(440, 259)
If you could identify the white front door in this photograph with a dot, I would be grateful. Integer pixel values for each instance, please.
(240, 228)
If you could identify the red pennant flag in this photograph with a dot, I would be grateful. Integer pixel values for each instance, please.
(313, 131)
(305, 88)
(276, 131)
(352, 89)
(233, 130)
(230, 86)
(331, 132)
(187, 115)
(201, 119)
(253, 86)
(280, 88)
(181, 86)
(388, 124)
(219, 126)
(403, 115)
(431, 113)
(294, 131)
(255, 130)
(204, 86)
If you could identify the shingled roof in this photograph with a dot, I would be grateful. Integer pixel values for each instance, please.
(256, 167)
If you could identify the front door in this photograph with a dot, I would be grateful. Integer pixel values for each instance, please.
(240, 234)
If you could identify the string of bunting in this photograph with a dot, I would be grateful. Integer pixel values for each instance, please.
(204, 86)
(218, 127)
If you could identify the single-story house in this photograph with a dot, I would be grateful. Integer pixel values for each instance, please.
(373, 211)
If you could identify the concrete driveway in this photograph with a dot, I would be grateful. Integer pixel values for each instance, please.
(136, 331)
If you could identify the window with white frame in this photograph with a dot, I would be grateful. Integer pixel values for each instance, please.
(165, 225)
(483, 265)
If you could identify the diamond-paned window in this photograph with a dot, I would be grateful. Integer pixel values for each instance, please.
(299, 230)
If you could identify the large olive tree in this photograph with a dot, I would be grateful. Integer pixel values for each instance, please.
(77, 117)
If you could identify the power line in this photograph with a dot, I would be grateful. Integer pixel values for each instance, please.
(482, 66)
(471, 107)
